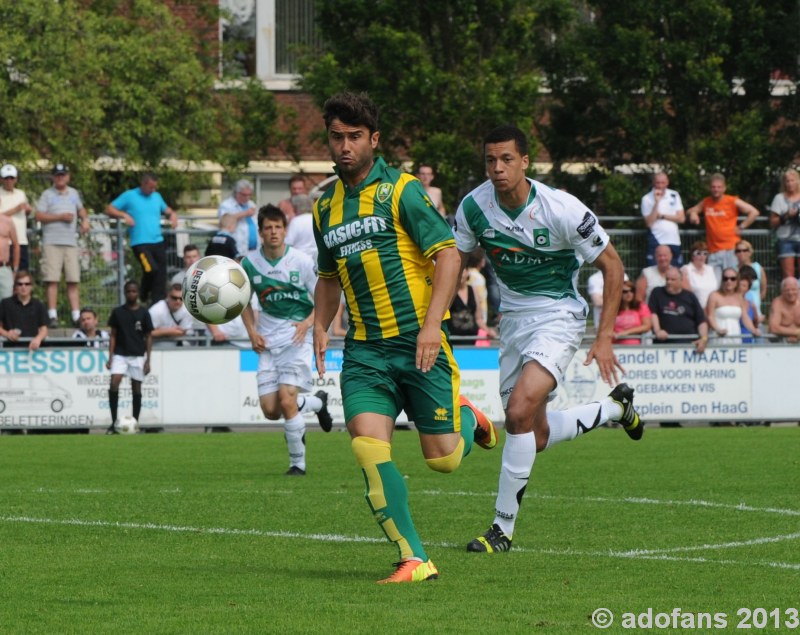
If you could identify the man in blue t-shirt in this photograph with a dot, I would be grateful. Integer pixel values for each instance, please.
(141, 209)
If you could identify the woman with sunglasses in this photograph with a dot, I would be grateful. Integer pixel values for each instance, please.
(744, 256)
(726, 308)
(633, 318)
(698, 275)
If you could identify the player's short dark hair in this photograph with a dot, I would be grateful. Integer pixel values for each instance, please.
(88, 309)
(297, 177)
(190, 247)
(270, 212)
(129, 283)
(507, 132)
(353, 109)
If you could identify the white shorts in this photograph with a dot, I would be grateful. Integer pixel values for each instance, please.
(549, 338)
(133, 367)
(289, 365)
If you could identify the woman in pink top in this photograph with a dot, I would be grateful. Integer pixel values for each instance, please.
(633, 317)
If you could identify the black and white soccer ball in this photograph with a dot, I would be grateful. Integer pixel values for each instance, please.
(216, 290)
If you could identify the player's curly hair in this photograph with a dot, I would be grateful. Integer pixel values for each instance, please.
(353, 109)
(507, 132)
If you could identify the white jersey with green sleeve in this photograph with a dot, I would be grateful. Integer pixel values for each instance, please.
(536, 250)
(285, 291)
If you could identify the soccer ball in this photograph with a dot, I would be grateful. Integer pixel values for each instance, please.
(216, 289)
(127, 425)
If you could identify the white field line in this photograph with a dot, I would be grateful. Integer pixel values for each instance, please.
(226, 531)
(633, 500)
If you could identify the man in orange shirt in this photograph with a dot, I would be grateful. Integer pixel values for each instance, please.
(723, 230)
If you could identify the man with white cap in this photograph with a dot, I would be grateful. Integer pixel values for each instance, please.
(14, 204)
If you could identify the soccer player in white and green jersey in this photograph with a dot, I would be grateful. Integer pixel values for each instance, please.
(283, 279)
(537, 238)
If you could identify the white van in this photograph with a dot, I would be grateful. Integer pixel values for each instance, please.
(20, 394)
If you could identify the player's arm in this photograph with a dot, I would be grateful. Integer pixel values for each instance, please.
(148, 345)
(326, 303)
(601, 351)
(112, 345)
(445, 280)
(249, 320)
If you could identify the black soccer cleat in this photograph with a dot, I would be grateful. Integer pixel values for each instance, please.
(493, 541)
(631, 423)
(295, 471)
(323, 416)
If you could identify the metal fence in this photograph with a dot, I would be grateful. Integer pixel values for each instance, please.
(105, 247)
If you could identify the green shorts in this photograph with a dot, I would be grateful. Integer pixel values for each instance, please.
(382, 377)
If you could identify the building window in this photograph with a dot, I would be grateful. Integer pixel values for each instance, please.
(260, 39)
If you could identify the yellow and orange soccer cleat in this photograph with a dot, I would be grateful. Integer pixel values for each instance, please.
(485, 432)
(412, 571)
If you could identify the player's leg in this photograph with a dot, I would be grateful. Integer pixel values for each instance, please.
(318, 404)
(371, 403)
(526, 426)
(136, 397)
(448, 422)
(113, 396)
(294, 429)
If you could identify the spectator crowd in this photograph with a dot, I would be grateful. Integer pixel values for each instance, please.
(711, 290)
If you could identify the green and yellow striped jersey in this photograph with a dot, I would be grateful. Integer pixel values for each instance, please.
(378, 239)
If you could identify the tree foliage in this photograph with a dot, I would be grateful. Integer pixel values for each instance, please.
(88, 80)
(443, 72)
(686, 85)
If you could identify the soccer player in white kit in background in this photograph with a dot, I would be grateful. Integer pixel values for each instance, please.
(537, 238)
(284, 278)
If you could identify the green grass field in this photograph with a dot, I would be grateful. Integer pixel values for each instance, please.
(193, 533)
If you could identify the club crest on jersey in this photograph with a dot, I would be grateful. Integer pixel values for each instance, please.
(541, 237)
(294, 277)
(384, 192)
(257, 279)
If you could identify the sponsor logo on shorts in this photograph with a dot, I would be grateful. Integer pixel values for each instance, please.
(506, 392)
(586, 227)
(440, 414)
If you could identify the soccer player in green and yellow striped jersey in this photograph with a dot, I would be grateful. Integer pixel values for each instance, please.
(379, 236)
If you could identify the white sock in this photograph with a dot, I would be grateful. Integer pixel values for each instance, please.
(76, 315)
(294, 429)
(612, 411)
(519, 453)
(565, 425)
(52, 314)
(308, 403)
